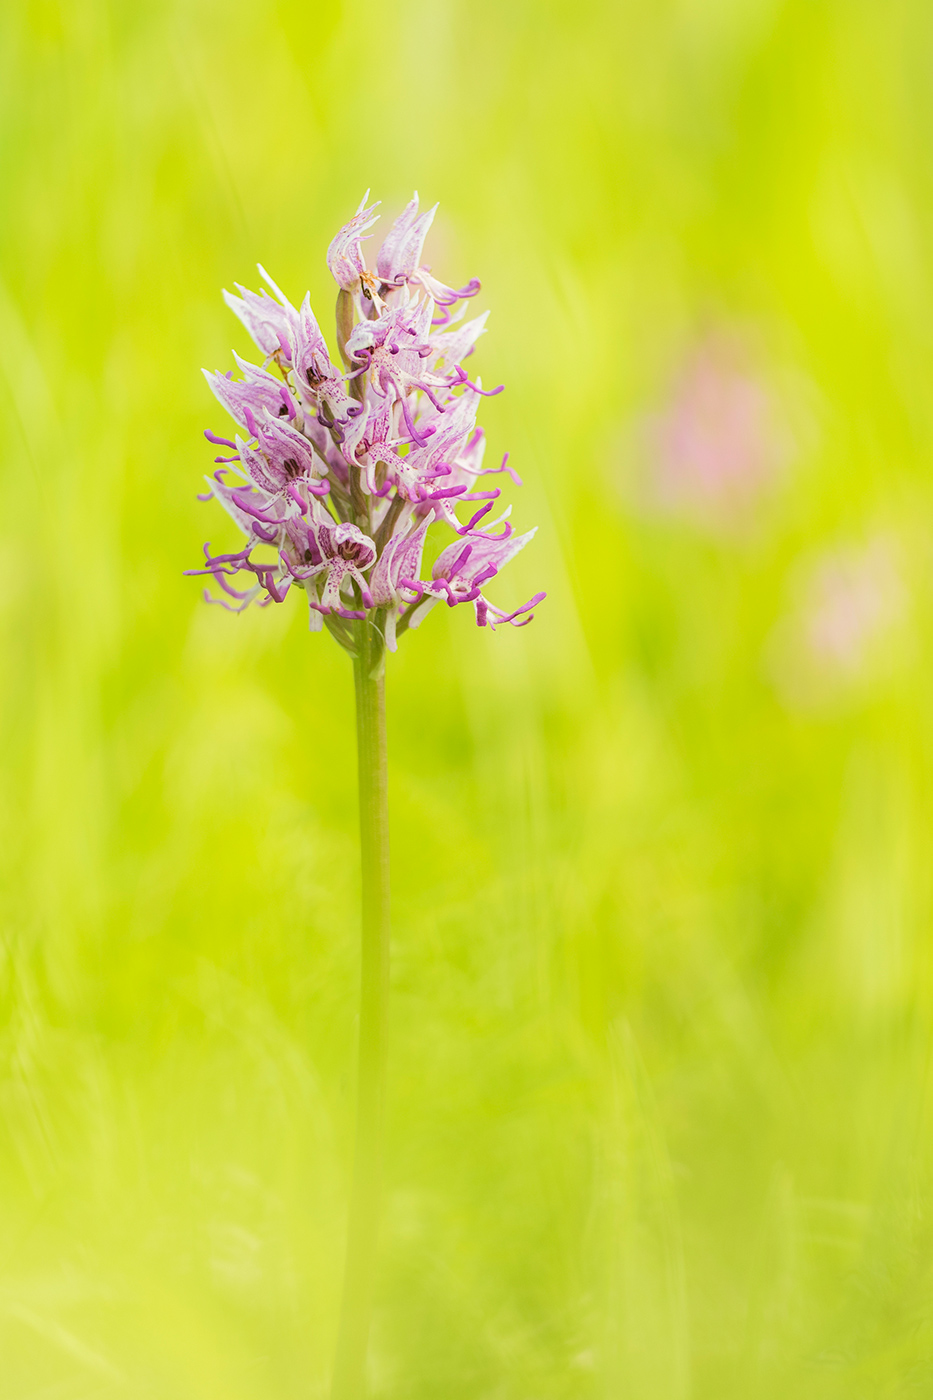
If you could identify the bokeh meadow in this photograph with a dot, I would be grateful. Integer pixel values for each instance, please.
(661, 1120)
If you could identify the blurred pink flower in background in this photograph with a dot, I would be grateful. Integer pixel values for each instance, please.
(855, 597)
(850, 602)
(720, 441)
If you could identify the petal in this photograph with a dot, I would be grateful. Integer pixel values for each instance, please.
(257, 392)
(310, 355)
(345, 254)
(400, 254)
(267, 322)
(483, 552)
(454, 346)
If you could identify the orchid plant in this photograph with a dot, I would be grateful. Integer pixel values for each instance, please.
(335, 476)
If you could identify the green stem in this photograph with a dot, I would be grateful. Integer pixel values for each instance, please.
(350, 1364)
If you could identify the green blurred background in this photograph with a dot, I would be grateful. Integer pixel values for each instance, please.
(663, 994)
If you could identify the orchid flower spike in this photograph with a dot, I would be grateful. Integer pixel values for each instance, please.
(335, 476)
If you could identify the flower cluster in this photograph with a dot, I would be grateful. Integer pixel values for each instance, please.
(337, 472)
